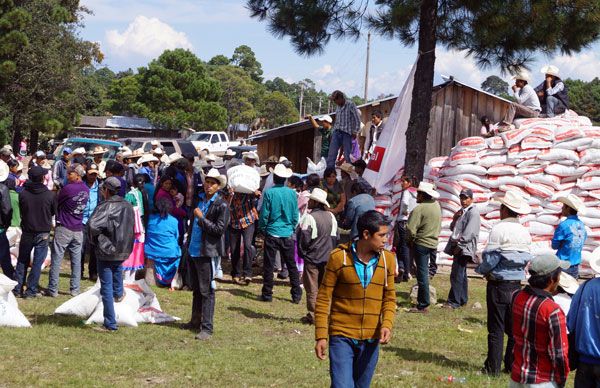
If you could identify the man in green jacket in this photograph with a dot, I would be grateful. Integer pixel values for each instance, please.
(423, 231)
(278, 220)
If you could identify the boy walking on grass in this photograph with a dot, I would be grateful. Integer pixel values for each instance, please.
(356, 304)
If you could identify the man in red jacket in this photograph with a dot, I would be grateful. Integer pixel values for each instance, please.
(540, 328)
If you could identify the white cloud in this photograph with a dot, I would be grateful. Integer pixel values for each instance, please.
(324, 71)
(145, 37)
(387, 82)
(457, 64)
(582, 66)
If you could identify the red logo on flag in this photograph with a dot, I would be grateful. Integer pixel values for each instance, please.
(376, 158)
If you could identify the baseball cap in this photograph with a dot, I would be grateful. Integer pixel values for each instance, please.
(36, 172)
(77, 168)
(40, 154)
(112, 183)
(67, 150)
(466, 193)
(546, 264)
(92, 169)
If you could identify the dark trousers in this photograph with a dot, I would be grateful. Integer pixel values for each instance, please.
(203, 301)
(573, 271)
(312, 276)
(498, 297)
(5, 261)
(236, 236)
(459, 284)
(285, 247)
(422, 257)
(402, 251)
(433, 267)
(38, 242)
(588, 376)
(86, 248)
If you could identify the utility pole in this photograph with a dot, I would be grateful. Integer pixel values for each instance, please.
(319, 104)
(367, 66)
(301, 100)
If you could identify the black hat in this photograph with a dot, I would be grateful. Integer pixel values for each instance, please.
(36, 172)
(112, 184)
(467, 193)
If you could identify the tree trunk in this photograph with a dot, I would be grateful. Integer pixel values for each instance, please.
(17, 132)
(34, 138)
(418, 125)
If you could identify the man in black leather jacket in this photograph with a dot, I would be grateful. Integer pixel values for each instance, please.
(206, 246)
(5, 219)
(111, 235)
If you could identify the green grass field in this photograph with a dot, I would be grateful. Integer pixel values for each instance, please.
(255, 344)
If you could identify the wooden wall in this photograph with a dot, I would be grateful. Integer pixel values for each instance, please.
(455, 114)
(296, 147)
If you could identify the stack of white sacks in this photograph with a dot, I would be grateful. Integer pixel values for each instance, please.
(543, 159)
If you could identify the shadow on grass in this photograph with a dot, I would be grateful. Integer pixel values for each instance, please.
(257, 315)
(439, 359)
(247, 294)
(58, 320)
(476, 321)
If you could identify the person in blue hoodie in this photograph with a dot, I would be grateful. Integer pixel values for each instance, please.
(161, 244)
(569, 236)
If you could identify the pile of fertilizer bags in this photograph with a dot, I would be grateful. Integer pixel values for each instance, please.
(543, 159)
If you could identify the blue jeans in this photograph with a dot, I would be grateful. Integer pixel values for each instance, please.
(554, 106)
(422, 255)
(573, 271)
(65, 239)
(5, 261)
(111, 287)
(352, 364)
(38, 242)
(339, 139)
(459, 283)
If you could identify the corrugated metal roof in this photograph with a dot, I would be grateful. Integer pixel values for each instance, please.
(129, 122)
(93, 121)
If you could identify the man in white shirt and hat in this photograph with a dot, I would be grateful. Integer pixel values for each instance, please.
(251, 159)
(527, 104)
(552, 92)
(503, 265)
(97, 154)
(155, 144)
(422, 233)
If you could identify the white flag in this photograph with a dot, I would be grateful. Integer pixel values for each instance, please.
(389, 153)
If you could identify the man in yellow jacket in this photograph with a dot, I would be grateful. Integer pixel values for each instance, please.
(356, 304)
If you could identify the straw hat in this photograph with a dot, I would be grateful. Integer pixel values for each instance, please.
(515, 202)
(550, 69)
(138, 153)
(251, 155)
(281, 171)
(272, 159)
(210, 158)
(174, 157)
(568, 283)
(92, 169)
(282, 159)
(320, 196)
(214, 174)
(264, 171)
(4, 171)
(147, 158)
(428, 188)
(523, 76)
(158, 151)
(79, 150)
(573, 201)
(347, 168)
(98, 150)
(127, 154)
(155, 143)
(229, 152)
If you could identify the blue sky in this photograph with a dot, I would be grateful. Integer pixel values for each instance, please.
(133, 32)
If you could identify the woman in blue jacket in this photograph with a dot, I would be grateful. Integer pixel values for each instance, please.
(161, 244)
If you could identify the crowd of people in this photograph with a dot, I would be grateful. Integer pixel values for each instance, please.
(179, 218)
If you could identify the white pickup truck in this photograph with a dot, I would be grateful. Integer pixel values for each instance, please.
(212, 141)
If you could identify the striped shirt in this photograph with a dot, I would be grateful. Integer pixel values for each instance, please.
(347, 119)
(540, 334)
(243, 210)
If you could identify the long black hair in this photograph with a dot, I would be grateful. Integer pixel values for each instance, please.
(139, 181)
(163, 207)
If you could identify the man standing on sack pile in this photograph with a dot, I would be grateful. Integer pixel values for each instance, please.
(422, 233)
(347, 124)
(552, 92)
(504, 260)
(527, 104)
(463, 247)
(570, 234)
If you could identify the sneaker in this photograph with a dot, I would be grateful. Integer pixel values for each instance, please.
(203, 336)
(237, 280)
(448, 306)
(50, 294)
(74, 293)
(282, 276)
(263, 298)
(103, 329)
(246, 281)
(307, 320)
(119, 299)
(189, 326)
(31, 296)
(416, 310)
(297, 301)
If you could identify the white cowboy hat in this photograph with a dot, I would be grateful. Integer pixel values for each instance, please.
(154, 143)
(281, 171)
(210, 158)
(574, 202)
(147, 158)
(515, 202)
(158, 151)
(79, 150)
(4, 171)
(522, 75)
(125, 149)
(164, 159)
(320, 196)
(282, 159)
(229, 152)
(568, 283)
(428, 188)
(550, 69)
(174, 157)
(347, 168)
(98, 150)
(138, 153)
(8, 147)
(251, 155)
(264, 171)
(127, 154)
(325, 118)
(214, 173)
